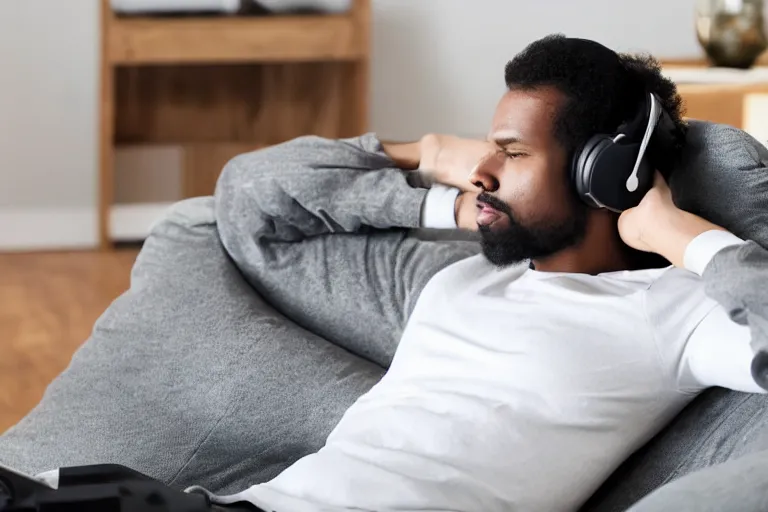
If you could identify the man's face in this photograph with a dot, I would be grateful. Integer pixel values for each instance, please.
(527, 209)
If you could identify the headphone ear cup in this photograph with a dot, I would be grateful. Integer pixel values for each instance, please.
(583, 169)
(610, 166)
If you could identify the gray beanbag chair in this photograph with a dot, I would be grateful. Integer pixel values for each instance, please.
(190, 376)
(193, 378)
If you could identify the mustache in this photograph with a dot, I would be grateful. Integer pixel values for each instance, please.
(495, 203)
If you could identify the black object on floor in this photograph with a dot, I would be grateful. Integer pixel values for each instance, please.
(101, 488)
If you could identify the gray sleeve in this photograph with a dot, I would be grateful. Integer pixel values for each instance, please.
(320, 228)
(737, 278)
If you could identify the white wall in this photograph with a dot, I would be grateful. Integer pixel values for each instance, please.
(437, 66)
(48, 92)
(48, 151)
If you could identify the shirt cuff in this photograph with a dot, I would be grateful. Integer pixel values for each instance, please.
(439, 209)
(703, 248)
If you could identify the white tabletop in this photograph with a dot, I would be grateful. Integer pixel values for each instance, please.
(712, 75)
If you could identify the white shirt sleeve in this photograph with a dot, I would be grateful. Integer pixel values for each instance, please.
(703, 248)
(439, 209)
(717, 352)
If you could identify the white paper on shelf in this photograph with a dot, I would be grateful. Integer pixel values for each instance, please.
(150, 6)
(328, 6)
(226, 6)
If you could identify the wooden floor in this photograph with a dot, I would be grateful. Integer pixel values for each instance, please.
(48, 304)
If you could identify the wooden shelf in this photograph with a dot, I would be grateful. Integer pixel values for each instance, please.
(717, 94)
(136, 41)
(223, 85)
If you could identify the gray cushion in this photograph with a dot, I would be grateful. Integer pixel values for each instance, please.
(739, 485)
(718, 426)
(190, 377)
(723, 177)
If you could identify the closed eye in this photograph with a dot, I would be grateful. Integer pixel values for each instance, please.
(513, 154)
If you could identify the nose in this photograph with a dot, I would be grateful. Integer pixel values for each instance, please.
(485, 174)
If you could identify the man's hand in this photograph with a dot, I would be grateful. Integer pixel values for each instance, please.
(466, 211)
(657, 225)
(451, 159)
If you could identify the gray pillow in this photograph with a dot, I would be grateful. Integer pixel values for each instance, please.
(723, 177)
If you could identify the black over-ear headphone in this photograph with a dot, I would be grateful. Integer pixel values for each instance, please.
(615, 171)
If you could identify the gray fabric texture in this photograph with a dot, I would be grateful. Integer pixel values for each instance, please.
(192, 378)
(723, 177)
(735, 486)
(291, 217)
(719, 425)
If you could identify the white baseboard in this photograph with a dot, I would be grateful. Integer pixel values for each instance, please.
(32, 229)
(131, 222)
(23, 229)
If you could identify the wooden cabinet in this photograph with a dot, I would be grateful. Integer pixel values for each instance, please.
(727, 104)
(219, 86)
(733, 97)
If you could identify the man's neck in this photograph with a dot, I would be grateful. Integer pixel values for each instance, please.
(601, 250)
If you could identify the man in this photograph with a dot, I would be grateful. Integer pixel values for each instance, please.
(526, 375)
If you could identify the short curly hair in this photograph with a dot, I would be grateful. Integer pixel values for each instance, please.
(603, 89)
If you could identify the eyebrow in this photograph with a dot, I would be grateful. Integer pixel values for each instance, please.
(506, 141)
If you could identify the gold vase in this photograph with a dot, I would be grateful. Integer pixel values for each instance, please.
(732, 32)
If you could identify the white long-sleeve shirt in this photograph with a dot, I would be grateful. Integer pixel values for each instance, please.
(520, 390)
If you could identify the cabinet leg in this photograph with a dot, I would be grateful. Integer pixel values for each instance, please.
(106, 134)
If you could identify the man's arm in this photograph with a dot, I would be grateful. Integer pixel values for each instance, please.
(737, 277)
(405, 155)
(717, 350)
(312, 186)
(319, 227)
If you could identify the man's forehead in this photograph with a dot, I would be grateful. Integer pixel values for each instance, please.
(522, 115)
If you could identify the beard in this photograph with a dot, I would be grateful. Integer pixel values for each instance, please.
(518, 242)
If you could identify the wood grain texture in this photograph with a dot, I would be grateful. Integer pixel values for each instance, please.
(221, 83)
(204, 162)
(719, 103)
(262, 104)
(135, 41)
(715, 104)
(50, 303)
